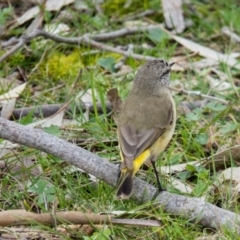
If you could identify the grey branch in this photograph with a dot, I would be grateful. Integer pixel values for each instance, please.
(88, 40)
(198, 93)
(79, 40)
(191, 209)
(51, 109)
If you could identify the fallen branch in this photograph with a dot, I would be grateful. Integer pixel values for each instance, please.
(75, 40)
(50, 109)
(192, 209)
(88, 41)
(22, 217)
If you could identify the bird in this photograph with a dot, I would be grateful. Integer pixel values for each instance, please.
(146, 123)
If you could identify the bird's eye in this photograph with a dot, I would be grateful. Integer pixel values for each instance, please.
(165, 71)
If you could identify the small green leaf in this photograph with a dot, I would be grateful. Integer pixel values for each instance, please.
(107, 63)
(4, 14)
(44, 190)
(195, 115)
(101, 235)
(155, 35)
(191, 168)
(53, 130)
(175, 159)
(38, 187)
(229, 127)
(215, 106)
(200, 188)
(202, 138)
(203, 174)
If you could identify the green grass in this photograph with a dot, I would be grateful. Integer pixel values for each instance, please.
(199, 134)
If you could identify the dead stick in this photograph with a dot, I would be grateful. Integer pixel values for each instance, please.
(50, 109)
(77, 40)
(22, 217)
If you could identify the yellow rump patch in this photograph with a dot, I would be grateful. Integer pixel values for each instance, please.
(138, 162)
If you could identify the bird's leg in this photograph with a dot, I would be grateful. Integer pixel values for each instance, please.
(119, 170)
(160, 188)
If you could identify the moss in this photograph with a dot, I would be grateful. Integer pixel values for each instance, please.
(117, 7)
(60, 66)
(17, 59)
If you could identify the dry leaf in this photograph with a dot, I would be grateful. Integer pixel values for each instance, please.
(73, 169)
(7, 108)
(180, 65)
(51, 5)
(69, 122)
(56, 120)
(173, 14)
(223, 76)
(10, 82)
(179, 185)
(84, 229)
(233, 36)
(87, 99)
(226, 188)
(36, 23)
(231, 177)
(219, 161)
(24, 167)
(30, 233)
(217, 84)
(6, 147)
(57, 28)
(207, 52)
(235, 54)
(203, 63)
(223, 159)
(14, 93)
(135, 23)
(123, 71)
(173, 169)
(208, 236)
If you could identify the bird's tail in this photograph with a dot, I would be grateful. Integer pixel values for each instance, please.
(125, 183)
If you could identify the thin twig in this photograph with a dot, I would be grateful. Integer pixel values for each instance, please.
(22, 41)
(88, 40)
(20, 44)
(198, 93)
(136, 222)
(140, 15)
(78, 40)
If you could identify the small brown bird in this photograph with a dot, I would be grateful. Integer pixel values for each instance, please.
(145, 123)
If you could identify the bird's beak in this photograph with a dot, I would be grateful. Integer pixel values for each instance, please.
(171, 64)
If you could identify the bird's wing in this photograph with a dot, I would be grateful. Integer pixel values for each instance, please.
(134, 137)
(133, 142)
